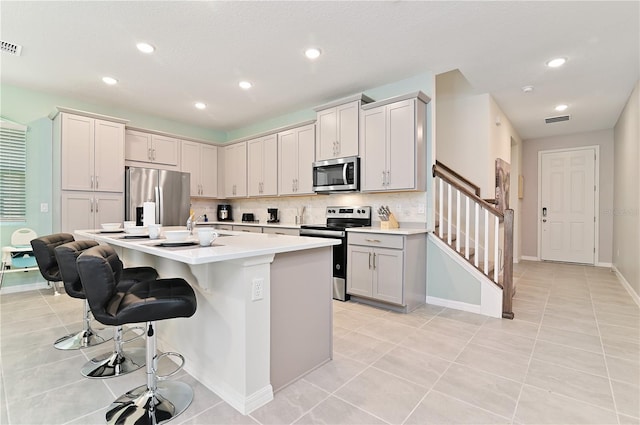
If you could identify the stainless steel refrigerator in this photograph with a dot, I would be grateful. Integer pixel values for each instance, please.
(168, 189)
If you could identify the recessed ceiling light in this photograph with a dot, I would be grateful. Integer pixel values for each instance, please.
(145, 47)
(109, 80)
(245, 85)
(527, 89)
(561, 107)
(555, 63)
(200, 105)
(312, 53)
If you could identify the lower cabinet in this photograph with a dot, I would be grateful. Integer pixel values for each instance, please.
(387, 268)
(281, 231)
(88, 210)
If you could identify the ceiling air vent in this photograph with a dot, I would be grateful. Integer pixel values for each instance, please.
(11, 48)
(551, 120)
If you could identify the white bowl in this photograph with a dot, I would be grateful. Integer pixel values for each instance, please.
(128, 224)
(176, 235)
(110, 226)
(136, 230)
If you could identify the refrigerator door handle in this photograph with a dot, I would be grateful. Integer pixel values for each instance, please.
(159, 204)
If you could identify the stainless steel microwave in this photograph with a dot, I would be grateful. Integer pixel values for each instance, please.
(337, 175)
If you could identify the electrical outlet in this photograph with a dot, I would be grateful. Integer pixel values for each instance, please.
(44, 207)
(257, 289)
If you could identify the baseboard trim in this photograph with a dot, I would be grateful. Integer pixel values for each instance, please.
(529, 258)
(24, 288)
(457, 305)
(626, 285)
(603, 264)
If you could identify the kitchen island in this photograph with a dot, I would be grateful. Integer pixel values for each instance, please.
(264, 315)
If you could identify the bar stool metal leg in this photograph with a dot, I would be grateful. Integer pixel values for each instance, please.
(153, 403)
(87, 337)
(116, 363)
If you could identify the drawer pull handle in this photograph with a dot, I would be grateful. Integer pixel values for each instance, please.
(373, 240)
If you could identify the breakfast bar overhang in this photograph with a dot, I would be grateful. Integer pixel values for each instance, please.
(264, 315)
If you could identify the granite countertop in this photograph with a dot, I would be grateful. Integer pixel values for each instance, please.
(228, 246)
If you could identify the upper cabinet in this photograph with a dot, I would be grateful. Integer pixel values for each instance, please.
(235, 170)
(91, 152)
(152, 148)
(201, 161)
(262, 166)
(295, 160)
(392, 144)
(337, 128)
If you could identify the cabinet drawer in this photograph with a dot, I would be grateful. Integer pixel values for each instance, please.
(250, 229)
(376, 240)
(223, 227)
(281, 231)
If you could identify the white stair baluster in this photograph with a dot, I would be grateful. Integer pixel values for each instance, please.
(458, 220)
(449, 201)
(466, 228)
(477, 236)
(486, 242)
(441, 206)
(496, 241)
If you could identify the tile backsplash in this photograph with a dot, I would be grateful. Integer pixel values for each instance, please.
(410, 208)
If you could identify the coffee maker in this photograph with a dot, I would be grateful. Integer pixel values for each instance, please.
(224, 212)
(272, 215)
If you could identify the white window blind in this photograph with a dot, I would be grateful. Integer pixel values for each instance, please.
(13, 170)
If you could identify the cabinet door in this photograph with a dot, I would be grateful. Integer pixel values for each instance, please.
(373, 149)
(137, 146)
(287, 162)
(108, 208)
(327, 122)
(359, 273)
(388, 277)
(77, 211)
(190, 163)
(306, 142)
(209, 171)
(235, 170)
(109, 156)
(348, 116)
(401, 144)
(77, 153)
(254, 167)
(164, 150)
(270, 165)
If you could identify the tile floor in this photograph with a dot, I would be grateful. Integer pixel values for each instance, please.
(571, 356)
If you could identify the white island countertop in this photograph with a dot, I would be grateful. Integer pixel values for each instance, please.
(228, 246)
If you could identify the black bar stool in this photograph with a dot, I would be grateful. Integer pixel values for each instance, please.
(118, 362)
(156, 402)
(43, 250)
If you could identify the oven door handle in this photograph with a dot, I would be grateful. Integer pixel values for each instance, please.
(322, 233)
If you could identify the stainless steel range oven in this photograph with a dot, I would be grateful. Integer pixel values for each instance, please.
(338, 219)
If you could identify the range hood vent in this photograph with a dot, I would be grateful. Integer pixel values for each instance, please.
(560, 118)
(11, 48)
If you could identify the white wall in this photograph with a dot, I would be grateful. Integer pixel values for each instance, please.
(603, 139)
(626, 198)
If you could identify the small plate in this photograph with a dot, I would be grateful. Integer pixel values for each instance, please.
(111, 231)
(177, 243)
(135, 237)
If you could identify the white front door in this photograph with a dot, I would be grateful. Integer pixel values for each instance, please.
(567, 202)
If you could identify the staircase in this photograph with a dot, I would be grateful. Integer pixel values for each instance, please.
(475, 230)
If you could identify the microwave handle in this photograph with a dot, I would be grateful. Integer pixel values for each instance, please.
(344, 173)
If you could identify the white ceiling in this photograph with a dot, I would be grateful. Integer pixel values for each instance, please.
(204, 49)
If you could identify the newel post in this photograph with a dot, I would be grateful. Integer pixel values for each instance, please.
(507, 288)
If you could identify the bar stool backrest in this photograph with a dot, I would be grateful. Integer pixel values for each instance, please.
(100, 270)
(66, 255)
(43, 250)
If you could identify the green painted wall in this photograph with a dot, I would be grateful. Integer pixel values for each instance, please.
(447, 279)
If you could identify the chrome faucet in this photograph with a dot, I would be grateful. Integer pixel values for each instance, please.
(191, 225)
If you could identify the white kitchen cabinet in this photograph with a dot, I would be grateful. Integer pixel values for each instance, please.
(88, 210)
(281, 231)
(235, 170)
(262, 166)
(337, 128)
(151, 148)
(201, 161)
(387, 268)
(91, 152)
(247, 229)
(295, 160)
(392, 146)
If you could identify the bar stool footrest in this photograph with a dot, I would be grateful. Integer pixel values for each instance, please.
(178, 369)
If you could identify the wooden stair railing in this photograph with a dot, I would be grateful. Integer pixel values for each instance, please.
(491, 256)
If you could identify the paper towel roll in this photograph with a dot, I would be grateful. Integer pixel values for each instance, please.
(148, 213)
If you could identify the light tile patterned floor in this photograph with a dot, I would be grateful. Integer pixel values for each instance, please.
(572, 355)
